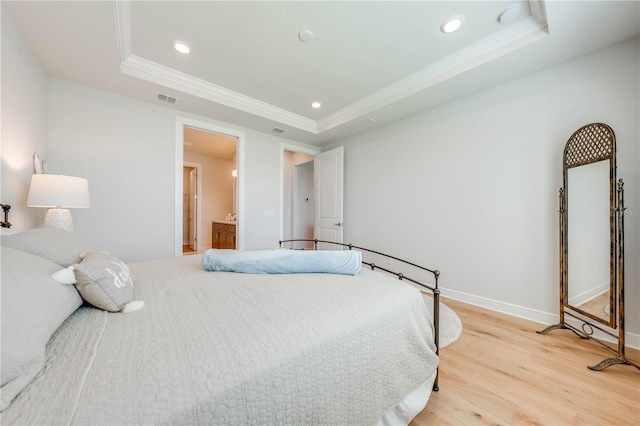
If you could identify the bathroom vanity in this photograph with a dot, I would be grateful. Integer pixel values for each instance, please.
(223, 234)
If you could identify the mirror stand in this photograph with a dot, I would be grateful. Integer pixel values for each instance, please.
(619, 221)
(589, 175)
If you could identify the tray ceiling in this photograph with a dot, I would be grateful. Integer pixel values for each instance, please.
(368, 63)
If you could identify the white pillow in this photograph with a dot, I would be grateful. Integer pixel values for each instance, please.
(57, 245)
(33, 307)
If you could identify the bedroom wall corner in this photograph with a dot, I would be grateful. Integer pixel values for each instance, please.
(471, 187)
(24, 123)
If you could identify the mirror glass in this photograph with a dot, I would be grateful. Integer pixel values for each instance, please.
(589, 240)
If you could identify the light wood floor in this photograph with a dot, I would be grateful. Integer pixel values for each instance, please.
(500, 371)
(187, 250)
(596, 306)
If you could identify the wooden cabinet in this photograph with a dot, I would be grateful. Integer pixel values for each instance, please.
(223, 235)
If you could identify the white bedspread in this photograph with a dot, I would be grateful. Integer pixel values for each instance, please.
(225, 348)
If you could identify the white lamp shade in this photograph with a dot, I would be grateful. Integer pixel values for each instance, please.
(58, 191)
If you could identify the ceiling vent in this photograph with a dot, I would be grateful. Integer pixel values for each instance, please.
(166, 98)
(277, 130)
(357, 125)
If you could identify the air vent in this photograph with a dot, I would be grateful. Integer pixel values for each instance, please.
(357, 125)
(277, 130)
(166, 98)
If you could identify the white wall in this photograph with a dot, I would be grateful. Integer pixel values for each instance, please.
(471, 188)
(126, 149)
(24, 124)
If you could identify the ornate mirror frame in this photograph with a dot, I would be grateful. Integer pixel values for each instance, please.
(590, 144)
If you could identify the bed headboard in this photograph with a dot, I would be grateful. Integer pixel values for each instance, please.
(5, 223)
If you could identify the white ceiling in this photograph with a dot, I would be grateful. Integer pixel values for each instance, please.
(369, 63)
(209, 144)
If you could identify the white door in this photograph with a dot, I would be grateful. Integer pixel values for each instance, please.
(193, 209)
(328, 178)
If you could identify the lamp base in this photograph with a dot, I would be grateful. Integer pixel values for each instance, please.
(59, 218)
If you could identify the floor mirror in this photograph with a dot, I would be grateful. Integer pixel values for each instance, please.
(591, 254)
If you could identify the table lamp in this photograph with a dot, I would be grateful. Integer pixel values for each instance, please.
(58, 193)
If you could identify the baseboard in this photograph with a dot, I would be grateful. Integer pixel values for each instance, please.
(632, 340)
(589, 295)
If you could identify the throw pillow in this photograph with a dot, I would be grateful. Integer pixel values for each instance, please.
(105, 282)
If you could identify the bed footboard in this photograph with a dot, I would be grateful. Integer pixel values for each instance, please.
(433, 288)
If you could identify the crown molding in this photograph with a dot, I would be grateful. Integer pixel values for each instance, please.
(514, 36)
(144, 69)
(123, 28)
(153, 72)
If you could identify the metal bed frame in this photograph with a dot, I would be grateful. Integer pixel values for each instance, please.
(432, 288)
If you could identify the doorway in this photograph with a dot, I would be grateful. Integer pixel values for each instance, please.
(190, 208)
(297, 215)
(318, 181)
(217, 155)
(298, 198)
(214, 192)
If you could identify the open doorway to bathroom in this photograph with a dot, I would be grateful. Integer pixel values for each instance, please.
(204, 219)
(209, 188)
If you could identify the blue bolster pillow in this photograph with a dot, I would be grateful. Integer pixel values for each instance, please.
(346, 262)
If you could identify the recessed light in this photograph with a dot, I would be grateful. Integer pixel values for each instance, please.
(182, 47)
(452, 24)
(316, 105)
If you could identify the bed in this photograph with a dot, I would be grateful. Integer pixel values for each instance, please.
(215, 347)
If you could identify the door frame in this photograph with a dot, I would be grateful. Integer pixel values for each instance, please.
(198, 168)
(309, 150)
(181, 123)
